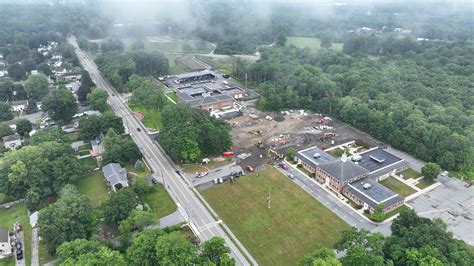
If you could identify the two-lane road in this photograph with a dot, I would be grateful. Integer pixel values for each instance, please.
(197, 215)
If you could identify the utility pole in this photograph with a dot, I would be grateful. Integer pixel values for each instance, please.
(246, 80)
(269, 199)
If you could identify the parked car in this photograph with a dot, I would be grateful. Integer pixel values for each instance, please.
(291, 176)
(467, 185)
(284, 166)
(445, 173)
(19, 254)
(203, 174)
(154, 181)
(249, 168)
(139, 129)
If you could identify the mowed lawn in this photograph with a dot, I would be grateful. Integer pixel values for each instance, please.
(93, 186)
(312, 43)
(160, 202)
(397, 186)
(295, 225)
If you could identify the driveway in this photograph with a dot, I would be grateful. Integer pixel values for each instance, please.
(21, 237)
(221, 172)
(329, 200)
(452, 203)
(34, 247)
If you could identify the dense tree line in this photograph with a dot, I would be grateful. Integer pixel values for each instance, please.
(118, 67)
(190, 133)
(414, 241)
(90, 127)
(421, 103)
(119, 149)
(34, 172)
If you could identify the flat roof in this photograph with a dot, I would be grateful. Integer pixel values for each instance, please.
(376, 159)
(375, 194)
(193, 90)
(194, 74)
(307, 156)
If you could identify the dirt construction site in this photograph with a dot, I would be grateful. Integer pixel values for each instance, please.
(264, 137)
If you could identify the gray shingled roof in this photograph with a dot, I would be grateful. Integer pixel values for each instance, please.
(114, 173)
(11, 138)
(3, 234)
(343, 170)
(376, 194)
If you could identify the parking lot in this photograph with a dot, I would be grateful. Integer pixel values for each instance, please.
(451, 202)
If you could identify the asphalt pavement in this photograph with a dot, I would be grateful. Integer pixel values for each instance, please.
(198, 217)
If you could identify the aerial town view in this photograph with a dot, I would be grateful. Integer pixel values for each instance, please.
(244, 132)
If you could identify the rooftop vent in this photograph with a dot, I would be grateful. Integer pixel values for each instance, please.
(356, 157)
(367, 186)
(317, 155)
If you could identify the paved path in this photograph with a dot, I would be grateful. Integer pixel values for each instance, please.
(172, 219)
(21, 262)
(34, 247)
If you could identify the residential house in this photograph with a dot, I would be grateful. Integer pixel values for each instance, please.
(5, 246)
(72, 77)
(12, 141)
(97, 145)
(116, 176)
(18, 106)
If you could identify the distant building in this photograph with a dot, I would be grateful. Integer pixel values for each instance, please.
(195, 76)
(209, 96)
(18, 106)
(116, 176)
(12, 141)
(5, 246)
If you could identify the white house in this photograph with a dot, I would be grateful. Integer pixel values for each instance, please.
(12, 141)
(5, 247)
(18, 106)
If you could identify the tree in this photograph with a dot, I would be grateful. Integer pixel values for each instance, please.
(16, 72)
(430, 170)
(82, 93)
(175, 249)
(190, 151)
(142, 251)
(142, 186)
(86, 79)
(326, 39)
(71, 217)
(38, 171)
(5, 112)
(23, 126)
(215, 251)
(378, 214)
(5, 130)
(321, 257)
(45, 69)
(138, 44)
(54, 134)
(36, 87)
(290, 153)
(136, 221)
(119, 149)
(60, 105)
(84, 252)
(280, 39)
(98, 99)
(118, 206)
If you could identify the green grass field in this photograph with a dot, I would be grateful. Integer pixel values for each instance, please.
(8, 217)
(424, 183)
(410, 173)
(311, 43)
(176, 67)
(397, 186)
(295, 225)
(172, 46)
(160, 202)
(152, 117)
(89, 163)
(131, 168)
(93, 186)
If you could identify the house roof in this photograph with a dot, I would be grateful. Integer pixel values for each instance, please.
(343, 169)
(377, 159)
(11, 138)
(373, 193)
(114, 173)
(16, 103)
(308, 156)
(3, 234)
(194, 74)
